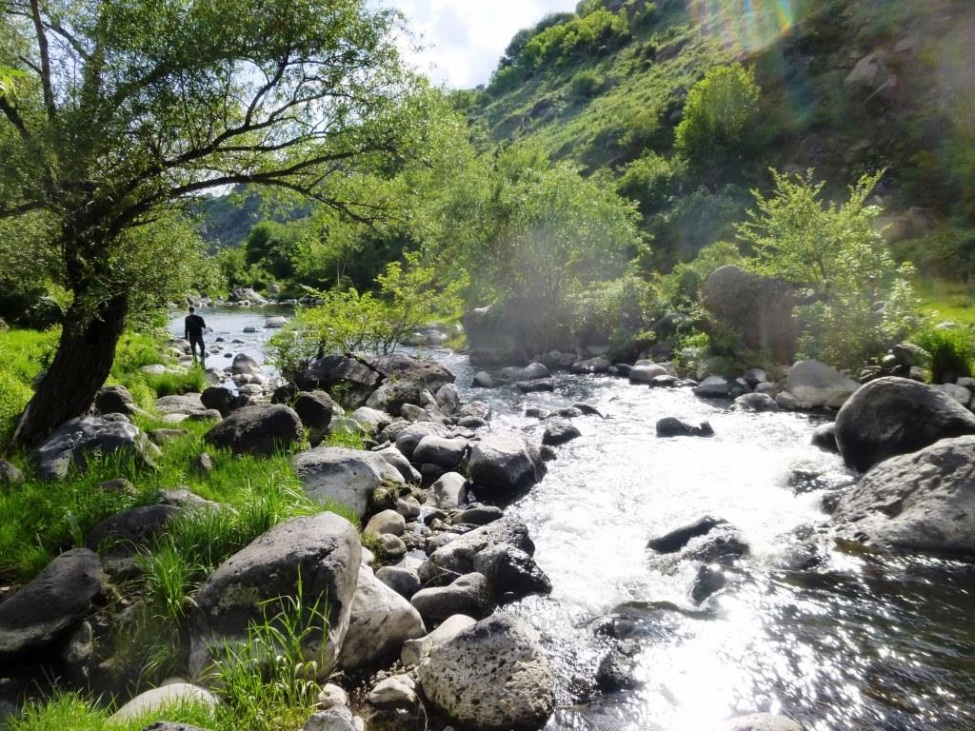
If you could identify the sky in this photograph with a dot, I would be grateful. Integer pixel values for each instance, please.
(464, 39)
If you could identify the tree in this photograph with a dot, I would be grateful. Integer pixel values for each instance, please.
(124, 110)
(858, 299)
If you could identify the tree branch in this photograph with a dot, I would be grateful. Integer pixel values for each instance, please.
(45, 54)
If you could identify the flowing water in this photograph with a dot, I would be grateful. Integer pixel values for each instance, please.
(852, 643)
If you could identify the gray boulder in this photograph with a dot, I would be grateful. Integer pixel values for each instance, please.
(410, 437)
(47, 607)
(599, 364)
(386, 522)
(401, 464)
(441, 451)
(119, 537)
(448, 492)
(645, 373)
(560, 432)
(115, 400)
(713, 387)
(336, 718)
(319, 553)
(219, 398)
(187, 403)
(824, 437)
(10, 474)
(457, 557)
(403, 580)
(762, 722)
(346, 476)
(380, 622)
(493, 675)
(923, 502)
(351, 380)
(469, 594)
(505, 463)
(671, 426)
(315, 409)
(755, 403)
(815, 385)
(244, 364)
(78, 440)
(448, 399)
(393, 705)
(892, 416)
(257, 430)
(677, 539)
(158, 700)
(371, 421)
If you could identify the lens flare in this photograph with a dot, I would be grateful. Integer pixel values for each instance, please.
(743, 26)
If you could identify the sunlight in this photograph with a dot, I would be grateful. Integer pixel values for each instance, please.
(744, 26)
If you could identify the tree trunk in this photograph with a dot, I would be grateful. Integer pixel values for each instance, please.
(82, 363)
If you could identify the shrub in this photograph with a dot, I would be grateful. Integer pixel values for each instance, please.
(719, 116)
(585, 84)
(618, 313)
(952, 350)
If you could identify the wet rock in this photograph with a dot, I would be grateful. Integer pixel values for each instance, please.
(723, 544)
(444, 452)
(505, 463)
(617, 671)
(448, 399)
(920, 502)
(676, 540)
(245, 364)
(713, 387)
(665, 382)
(410, 437)
(479, 515)
(824, 437)
(257, 430)
(645, 373)
(816, 385)
(560, 432)
(511, 573)
(892, 416)
(709, 581)
(762, 722)
(538, 385)
(482, 379)
(599, 364)
(755, 403)
(47, 607)
(457, 556)
(501, 653)
(673, 427)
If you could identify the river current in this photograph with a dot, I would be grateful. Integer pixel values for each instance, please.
(837, 641)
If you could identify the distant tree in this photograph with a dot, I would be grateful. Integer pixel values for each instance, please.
(123, 110)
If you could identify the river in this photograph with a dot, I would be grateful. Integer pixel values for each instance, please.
(853, 643)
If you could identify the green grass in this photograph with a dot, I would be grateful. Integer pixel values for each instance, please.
(72, 711)
(947, 301)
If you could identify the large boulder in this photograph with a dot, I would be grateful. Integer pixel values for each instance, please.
(441, 451)
(892, 416)
(319, 554)
(415, 651)
(923, 501)
(259, 430)
(511, 573)
(346, 476)
(493, 675)
(119, 538)
(757, 307)
(244, 364)
(55, 600)
(505, 463)
(185, 403)
(115, 400)
(78, 440)
(315, 409)
(410, 437)
(219, 398)
(380, 622)
(164, 698)
(816, 385)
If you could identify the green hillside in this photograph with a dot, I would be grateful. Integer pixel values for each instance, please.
(847, 87)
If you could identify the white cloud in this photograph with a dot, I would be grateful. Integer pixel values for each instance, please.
(464, 39)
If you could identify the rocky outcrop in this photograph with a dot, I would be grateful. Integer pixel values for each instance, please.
(257, 430)
(457, 557)
(50, 604)
(78, 440)
(893, 416)
(757, 307)
(320, 553)
(346, 476)
(923, 501)
(493, 675)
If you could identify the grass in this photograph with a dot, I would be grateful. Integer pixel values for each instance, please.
(941, 300)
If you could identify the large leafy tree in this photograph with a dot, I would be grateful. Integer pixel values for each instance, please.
(121, 109)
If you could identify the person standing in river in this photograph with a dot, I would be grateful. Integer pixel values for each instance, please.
(195, 326)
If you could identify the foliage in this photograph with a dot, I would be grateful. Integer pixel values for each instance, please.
(346, 320)
(952, 351)
(719, 117)
(618, 313)
(72, 711)
(680, 289)
(858, 299)
(586, 84)
(23, 353)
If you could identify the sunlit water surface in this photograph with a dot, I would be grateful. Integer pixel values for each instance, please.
(852, 643)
